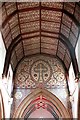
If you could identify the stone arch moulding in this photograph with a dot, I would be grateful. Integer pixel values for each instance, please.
(59, 107)
(2, 112)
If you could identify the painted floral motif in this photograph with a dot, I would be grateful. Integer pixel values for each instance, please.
(40, 71)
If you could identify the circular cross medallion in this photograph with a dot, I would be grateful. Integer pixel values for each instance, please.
(40, 71)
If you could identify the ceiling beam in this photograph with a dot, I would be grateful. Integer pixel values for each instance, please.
(8, 55)
(65, 12)
(20, 28)
(30, 32)
(46, 31)
(60, 28)
(30, 37)
(71, 49)
(42, 8)
(18, 11)
(15, 43)
(40, 23)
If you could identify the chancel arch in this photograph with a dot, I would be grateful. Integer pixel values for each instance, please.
(44, 95)
(40, 72)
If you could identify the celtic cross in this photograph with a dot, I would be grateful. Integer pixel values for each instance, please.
(40, 69)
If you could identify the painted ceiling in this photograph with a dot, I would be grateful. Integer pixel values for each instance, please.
(40, 27)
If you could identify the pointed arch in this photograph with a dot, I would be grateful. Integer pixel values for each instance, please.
(2, 113)
(58, 106)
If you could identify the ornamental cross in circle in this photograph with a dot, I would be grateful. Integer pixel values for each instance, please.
(41, 70)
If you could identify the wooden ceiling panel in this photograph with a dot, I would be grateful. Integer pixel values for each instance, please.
(28, 27)
(19, 51)
(32, 51)
(77, 13)
(31, 41)
(5, 30)
(63, 53)
(67, 62)
(67, 58)
(52, 41)
(50, 26)
(10, 7)
(27, 35)
(62, 45)
(66, 20)
(48, 51)
(68, 54)
(18, 46)
(61, 50)
(72, 39)
(40, 26)
(13, 21)
(65, 30)
(49, 46)
(15, 31)
(3, 14)
(19, 54)
(31, 46)
(25, 5)
(75, 29)
(51, 15)
(55, 35)
(29, 16)
(14, 60)
(8, 40)
(60, 55)
(69, 6)
(69, 29)
(52, 4)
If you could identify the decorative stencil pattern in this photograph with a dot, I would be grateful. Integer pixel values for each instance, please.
(28, 27)
(49, 26)
(25, 5)
(51, 15)
(29, 16)
(40, 26)
(52, 4)
(10, 7)
(69, 7)
(40, 71)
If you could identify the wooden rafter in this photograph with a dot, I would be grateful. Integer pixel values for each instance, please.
(40, 24)
(20, 29)
(60, 28)
(44, 8)
(39, 29)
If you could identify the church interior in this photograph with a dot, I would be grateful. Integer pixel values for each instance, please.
(40, 60)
